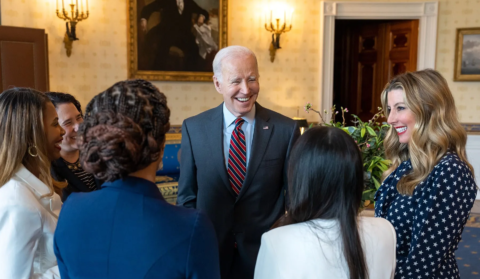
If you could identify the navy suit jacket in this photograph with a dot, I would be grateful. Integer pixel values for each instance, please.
(239, 221)
(127, 230)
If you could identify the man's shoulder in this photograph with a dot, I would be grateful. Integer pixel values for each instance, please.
(201, 117)
(275, 116)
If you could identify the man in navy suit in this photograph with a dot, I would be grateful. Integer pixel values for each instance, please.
(234, 161)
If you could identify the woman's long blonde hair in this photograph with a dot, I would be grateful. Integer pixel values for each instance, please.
(436, 130)
(21, 128)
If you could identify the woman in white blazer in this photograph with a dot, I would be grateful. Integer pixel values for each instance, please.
(322, 235)
(30, 136)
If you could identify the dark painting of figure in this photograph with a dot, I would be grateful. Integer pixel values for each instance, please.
(177, 35)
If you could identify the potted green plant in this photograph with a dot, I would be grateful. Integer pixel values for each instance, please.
(369, 137)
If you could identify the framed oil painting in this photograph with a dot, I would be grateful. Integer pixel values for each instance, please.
(467, 55)
(175, 40)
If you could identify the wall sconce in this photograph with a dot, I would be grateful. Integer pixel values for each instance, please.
(77, 14)
(277, 21)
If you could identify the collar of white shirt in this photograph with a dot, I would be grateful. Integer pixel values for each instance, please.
(230, 118)
(52, 203)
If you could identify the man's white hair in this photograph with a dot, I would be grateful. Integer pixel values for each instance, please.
(229, 52)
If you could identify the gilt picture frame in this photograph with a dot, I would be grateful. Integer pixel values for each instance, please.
(467, 55)
(175, 40)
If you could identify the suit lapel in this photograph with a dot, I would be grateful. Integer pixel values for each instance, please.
(261, 137)
(215, 142)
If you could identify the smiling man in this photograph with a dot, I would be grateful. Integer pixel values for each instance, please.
(234, 161)
(67, 167)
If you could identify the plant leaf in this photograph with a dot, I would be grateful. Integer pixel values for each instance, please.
(382, 166)
(377, 185)
(386, 162)
(346, 130)
(362, 133)
(371, 131)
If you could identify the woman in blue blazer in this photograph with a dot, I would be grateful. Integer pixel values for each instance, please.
(127, 229)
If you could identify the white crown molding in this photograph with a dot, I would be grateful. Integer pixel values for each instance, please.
(426, 12)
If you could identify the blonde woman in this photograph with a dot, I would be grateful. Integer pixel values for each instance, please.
(30, 137)
(429, 190)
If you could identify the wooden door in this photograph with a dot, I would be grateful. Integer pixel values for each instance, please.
(23, 58)
(401, 47)
(371, 49)
(367, 55)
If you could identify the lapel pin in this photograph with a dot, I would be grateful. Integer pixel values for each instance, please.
(265, 127)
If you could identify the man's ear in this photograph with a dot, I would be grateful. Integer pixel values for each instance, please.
(216, 82)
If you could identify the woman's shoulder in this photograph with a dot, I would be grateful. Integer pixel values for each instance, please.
(375, 231)
(18, 192)
(87, 203)
(450, 157)
(379, 239)
(378, 226)
(302, 230)
(16, 198)
(451, 164)
(369, 221)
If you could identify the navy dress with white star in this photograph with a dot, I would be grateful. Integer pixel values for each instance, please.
(429, 223)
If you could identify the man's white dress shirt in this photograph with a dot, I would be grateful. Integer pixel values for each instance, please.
(229, 125)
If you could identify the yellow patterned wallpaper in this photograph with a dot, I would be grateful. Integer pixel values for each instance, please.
(99, 58)
(455, 14)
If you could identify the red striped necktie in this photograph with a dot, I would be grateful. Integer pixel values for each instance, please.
(237, 157)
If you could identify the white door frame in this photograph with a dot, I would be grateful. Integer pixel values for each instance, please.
(425, 11)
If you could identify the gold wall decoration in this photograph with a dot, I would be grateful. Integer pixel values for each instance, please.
(278, 20)
(467, 55)
(73, 11)
(175, 40)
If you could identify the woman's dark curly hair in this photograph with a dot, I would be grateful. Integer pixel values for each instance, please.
(124, 129)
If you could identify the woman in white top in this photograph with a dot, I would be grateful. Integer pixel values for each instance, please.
(30, 136)
(322, 235)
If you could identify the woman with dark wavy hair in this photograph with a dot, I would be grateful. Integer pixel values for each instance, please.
(322, 235)
(127, 229)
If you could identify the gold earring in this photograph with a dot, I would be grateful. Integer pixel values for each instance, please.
(160, 166)
(32, 153)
